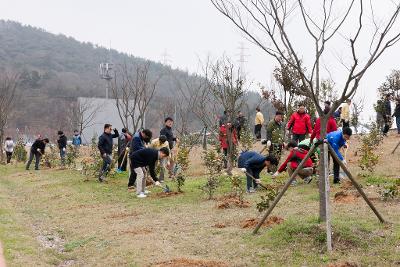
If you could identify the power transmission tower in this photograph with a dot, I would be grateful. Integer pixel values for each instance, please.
(242, 58)
(165, 58)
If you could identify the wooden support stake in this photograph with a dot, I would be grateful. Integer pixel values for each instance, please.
(327, 206)
(356, 185)
(398, 144)
(285, 188)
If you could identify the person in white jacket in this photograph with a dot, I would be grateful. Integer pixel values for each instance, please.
(9, 148)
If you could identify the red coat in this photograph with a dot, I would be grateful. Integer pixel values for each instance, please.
(300, 123)
(295, 157)
(330, 127)
(223, 137)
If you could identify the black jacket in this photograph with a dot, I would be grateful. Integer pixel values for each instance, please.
(105, 144)
(387, 107)
(38, 144)
(397, 110)
(62, 142)
(145, 157)
(167, 131)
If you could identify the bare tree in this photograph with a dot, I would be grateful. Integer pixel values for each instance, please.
(267, 24)
(8, 87)
(84, 113)
(133, 90)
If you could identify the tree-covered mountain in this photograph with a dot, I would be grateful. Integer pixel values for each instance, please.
(56, 69)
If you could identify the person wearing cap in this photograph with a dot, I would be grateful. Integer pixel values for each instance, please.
(275, 135)
(158, 143)
(62, 146)
(300, 124)
(337, 140)
(296, 155)
(330, 126)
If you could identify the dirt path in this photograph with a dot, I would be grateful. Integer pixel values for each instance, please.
(2, 260)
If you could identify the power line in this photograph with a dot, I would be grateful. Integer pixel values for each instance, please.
(242, 58)
(165, 58)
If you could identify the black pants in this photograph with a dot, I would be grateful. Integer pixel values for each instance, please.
(225, 150)
(336, 170)
(298, 137)
(37, 160)
(106, 165)
(345, 124)
(9, 155)
(132, 177)
(257, 131)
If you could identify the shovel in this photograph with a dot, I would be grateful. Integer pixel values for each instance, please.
(118, 170)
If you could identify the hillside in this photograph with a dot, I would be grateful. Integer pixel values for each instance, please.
(56, 69)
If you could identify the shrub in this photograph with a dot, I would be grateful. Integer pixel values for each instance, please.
(369, 144)
(20, 153)
(213, 161)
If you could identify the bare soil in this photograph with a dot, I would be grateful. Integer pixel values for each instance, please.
(343, 264)
(271, 221)
(219, 225)
(346, 197)
(166, 194)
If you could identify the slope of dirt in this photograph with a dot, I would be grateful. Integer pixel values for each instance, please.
(182, 262)
(346, 197)
(273, 220)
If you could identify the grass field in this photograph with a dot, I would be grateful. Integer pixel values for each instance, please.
(54, 218)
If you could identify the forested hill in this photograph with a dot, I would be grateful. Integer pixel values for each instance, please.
(56, 69)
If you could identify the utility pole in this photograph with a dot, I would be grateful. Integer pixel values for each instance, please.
(105, 71)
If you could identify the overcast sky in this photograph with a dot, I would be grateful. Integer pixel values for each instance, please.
(186, 29)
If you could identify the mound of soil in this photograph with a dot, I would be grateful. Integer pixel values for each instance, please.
(252, 222)
(343, 264)
(229, 202)
(122, 215)
(346, 197)
(346, 185)
(166, 194)
(219, 225)
(182, 262)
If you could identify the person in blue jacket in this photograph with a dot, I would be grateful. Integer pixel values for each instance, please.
(139, 140)
(252, 163)
(338, 140)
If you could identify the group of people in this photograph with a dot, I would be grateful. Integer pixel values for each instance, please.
(384, 114)
(143, 154)
(294, 137)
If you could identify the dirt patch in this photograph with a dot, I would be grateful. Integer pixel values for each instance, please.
(343, 264)
(219, 225)
(273, 220)
(122, 215)
(188, 262)
(166, 194)
(229, 202)
(346, 185)
(136, 232)
(346, 197)
(51, 241)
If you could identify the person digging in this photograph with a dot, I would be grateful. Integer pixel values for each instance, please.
(141, 159)
(252, 163)
(296, 155)
(37, 151)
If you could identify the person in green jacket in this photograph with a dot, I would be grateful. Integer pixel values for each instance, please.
(275, 136)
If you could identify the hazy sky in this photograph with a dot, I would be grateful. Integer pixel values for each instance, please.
(186, 29)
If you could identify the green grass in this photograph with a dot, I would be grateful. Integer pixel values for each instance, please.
(102, 224)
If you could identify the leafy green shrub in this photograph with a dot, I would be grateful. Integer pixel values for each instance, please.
(369, 144)
(20, 153)
(213, 161)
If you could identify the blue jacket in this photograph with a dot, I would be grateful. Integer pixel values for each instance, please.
(252, 161)
(137, 143)
(336, 140)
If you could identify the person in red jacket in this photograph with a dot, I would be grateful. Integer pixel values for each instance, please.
(331, 126)
(300, 124)
(223, 139)
(296, 155)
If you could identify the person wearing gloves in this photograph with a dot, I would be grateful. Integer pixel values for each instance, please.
(252, 163)
(9, 148)
(159, 143)
(62, 146)
(345, 114)
(296, 155)
(338, 140)
(141, 159)
(105, 146)
(37, 151)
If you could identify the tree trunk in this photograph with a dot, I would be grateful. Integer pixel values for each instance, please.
(322, 164)
(1, 144)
